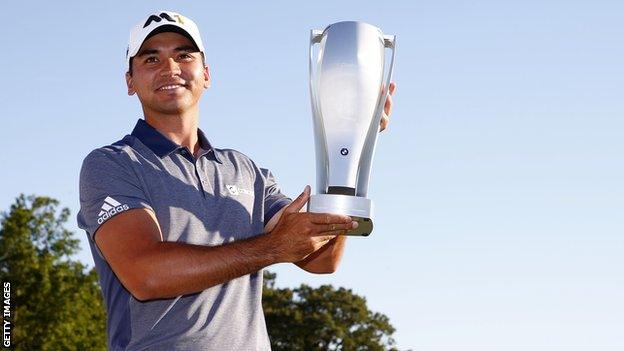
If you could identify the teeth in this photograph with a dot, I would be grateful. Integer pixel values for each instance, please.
(169, 87)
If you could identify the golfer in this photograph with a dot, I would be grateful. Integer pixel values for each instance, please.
(180, 230)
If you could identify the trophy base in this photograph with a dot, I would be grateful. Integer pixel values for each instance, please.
(358, 208)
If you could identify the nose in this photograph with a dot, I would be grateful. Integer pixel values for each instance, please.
(171, 68)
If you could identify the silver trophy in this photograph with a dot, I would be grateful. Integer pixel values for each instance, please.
(349, 80)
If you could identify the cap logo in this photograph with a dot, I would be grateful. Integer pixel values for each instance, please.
(163, 15)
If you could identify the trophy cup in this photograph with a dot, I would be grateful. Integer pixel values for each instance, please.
(348, 87)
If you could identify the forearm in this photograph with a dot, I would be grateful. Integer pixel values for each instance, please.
(327, 258)
(171, 269)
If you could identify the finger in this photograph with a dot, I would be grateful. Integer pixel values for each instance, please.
(299, 202)
(328, 218)
(336, 233)
(392, 87)
(388, 105)
(326, 228)
(383, 124)
(326, 238)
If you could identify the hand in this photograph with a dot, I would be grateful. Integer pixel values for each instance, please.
(298, 234)
(385, 117)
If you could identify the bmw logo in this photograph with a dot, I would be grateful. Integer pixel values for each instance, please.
(344, 151)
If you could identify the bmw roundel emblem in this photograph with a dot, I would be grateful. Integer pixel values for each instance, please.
(344, 151)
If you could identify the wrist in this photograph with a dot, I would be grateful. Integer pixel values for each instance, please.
(266, 248)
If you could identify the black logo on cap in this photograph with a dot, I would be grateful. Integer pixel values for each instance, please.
(154, 18)
(344, 151)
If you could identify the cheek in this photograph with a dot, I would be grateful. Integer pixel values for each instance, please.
(197, 74)
(142, 85)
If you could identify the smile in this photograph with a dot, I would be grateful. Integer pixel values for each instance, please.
(171, 87)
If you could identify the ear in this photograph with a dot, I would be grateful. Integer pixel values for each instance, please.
(206, 77)
(131, 90)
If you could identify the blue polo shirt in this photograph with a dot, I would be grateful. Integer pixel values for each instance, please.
(219, 197)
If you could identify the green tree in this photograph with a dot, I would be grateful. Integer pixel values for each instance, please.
(56, 303)
(322, 318)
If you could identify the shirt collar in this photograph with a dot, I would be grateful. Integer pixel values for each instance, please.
(162, 146)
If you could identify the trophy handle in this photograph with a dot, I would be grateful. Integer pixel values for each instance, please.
(373, 132)
(322, 163)
(389, 42)
(316, 35)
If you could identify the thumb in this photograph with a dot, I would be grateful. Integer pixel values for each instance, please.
(299, 202)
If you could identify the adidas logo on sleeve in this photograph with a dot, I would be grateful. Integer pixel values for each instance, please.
(110, 208)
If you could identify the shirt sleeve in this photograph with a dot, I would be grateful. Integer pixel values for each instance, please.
(274, 200)
(108, 187)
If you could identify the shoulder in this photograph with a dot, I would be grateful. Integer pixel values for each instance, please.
(118, 149)
(113, 155)
(231, 154)
(234, 158)
(241, 161)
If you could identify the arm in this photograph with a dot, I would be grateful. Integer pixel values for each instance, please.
(326, 259)
(150, 268)
(131, 242)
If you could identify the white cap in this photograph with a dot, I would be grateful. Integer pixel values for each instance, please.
(164, 21)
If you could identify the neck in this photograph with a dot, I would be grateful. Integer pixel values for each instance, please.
(179, 128)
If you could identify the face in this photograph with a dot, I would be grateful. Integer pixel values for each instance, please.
(168, 75)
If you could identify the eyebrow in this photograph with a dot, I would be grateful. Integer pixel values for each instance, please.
(188, 48)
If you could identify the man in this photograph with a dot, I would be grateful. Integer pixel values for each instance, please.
(179, 230)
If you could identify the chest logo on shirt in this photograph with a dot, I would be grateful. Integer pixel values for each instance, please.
(110, 208)
(235, 191)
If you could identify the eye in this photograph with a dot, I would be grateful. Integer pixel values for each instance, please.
(151, 59)
(185, 56)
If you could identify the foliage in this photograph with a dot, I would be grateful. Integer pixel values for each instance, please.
(322, 318)
(56, 304)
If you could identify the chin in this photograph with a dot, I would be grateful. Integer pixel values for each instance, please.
(177, 110)
(172, 107)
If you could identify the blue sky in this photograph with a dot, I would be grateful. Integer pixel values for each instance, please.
(497, 186)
